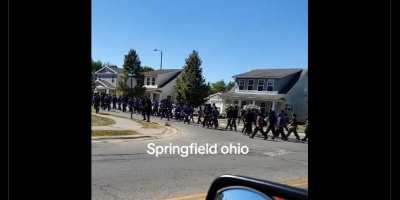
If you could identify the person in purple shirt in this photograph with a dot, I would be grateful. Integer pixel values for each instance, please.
(188, 112)
(214, 116)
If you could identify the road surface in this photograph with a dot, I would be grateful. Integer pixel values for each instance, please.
(125, 169)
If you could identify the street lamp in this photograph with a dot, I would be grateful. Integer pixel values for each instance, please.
(161, 57)
(132, 74)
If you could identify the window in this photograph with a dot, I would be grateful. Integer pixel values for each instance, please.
(262, 107)
(270, 85)
(305, 90)
(241, 84)
(243, 103)
(148, 81)
(153, 81)
(288, 107)
(236, 102)
(250, 102)
(260, 85)
(168, 97)
(250, 84)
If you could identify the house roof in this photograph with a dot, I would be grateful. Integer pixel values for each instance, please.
(170, 79)
(215, 94)
(281, 94)
(270, 73)
(106, 83)
(117, 70)
(159, 72)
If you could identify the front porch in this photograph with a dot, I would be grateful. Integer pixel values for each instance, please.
(104, 88)
(153, 94)
(265, 105)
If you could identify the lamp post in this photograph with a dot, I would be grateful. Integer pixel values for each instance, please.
(161, 57)
(132, 74)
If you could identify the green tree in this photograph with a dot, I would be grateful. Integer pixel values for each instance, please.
(191, 86)
(107, 64)
(230, 85)
(147, 69)
(219, 86)
(132, 63)
(96, 65)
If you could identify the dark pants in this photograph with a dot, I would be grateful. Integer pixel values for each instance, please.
(256, 129)
(106, 106)
(285, 127)
(248, 128)
(187, 119)
(241, 119)
(123, 107)
(155, 111)
(145, 114)
(165, 113)
(280, 131)
(205, 121)
(231, 123)
(272, 129)
(119, 106)
(114, 105)
(199, 119)
(293, 130)
(135, 109)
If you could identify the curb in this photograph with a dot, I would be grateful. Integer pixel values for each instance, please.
(120, 137)
(174, 131)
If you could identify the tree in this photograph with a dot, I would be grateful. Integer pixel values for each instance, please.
(218, 86)
(147, 69)
(132, 63)
(191, 86)
(230, 85)
(221, 86)
(96, 65)
(107, 64)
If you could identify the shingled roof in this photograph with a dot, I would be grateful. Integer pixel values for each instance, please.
(267, 73)
(159, 72)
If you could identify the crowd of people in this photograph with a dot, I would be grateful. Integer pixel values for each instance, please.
(207, 115)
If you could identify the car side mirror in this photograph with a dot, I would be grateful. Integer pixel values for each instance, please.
(229, 187)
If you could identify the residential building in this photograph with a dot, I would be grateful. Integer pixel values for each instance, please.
(160, 83)
(271, 90)
(217, 100)
(107, 79)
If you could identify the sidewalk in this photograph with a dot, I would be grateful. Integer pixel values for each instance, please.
(127, 124)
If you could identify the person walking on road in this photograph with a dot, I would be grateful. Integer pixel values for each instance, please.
(293, 127)
(271, 125)
(280, 127)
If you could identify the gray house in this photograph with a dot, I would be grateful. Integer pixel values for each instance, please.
(271, 90)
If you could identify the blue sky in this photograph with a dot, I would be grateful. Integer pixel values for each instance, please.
(232, 36)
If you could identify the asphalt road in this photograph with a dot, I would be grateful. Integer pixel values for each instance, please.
(125, 169)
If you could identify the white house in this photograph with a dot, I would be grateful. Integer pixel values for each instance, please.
(107, 79)
(271, 90)
(160, 83)
(216, 98)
